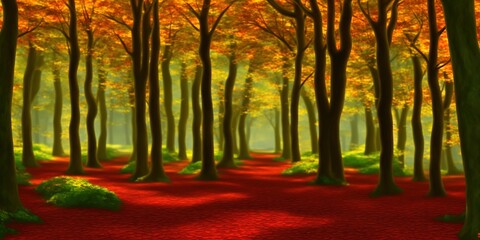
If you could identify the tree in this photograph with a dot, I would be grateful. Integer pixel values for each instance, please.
(383, 29)
(9, 198)
(57, 149)
(208, 171)
(465, 54)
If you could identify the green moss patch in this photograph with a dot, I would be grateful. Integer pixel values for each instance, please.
(398, 170)
(77, 192)
(194, 168)
(308, 165)
(22, 215)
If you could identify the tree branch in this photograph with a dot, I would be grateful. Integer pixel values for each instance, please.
(217, 21)
(281, 9)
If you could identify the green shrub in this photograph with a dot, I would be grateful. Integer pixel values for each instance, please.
(192, 168)
(308, 165)
(397, 169)
(22, 215)
(129, 167)
(359, 160)
(76, 192)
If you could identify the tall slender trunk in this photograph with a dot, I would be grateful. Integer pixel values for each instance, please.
(278, 136)
(92, 160)
(28, 158)
(184, 106)
(370, 132)
(284, 100)
(168, 97)
(235, 120)
(227, 159)
(243, 143)
(401, 118)
(197, 116)
(312, 121)
(75, 167)
(9, 198)
(221, 115)
(57, 114)
(418, 173)
(36, 80)
(436, 140)
(452, 169)
(156, 173)
(354, 138)
(102, 106)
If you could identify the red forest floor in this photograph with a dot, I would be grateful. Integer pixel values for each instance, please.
(252, 202)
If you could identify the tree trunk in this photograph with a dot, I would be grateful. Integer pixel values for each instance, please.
(401, 119)
(168, 98)
(208, 171)
(370, 132)
(243, 143)
(436, 183)
(354, 138)
(75, 167)
(184, 106)
(278, 137)
(418, 173)
(452, 169)
(383, 35)
(197, 116)
(235, 120)
(9, 198)
(36, 79)
(92, 160)
(312, 122)
(227, 159)
(465, 54)
(140, 58)
(221, 115)
(156, 173)
(28, 158)
(102, 106)
(57, 115)
(284, 100)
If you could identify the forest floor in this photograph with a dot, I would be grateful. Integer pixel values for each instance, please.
(251, 202)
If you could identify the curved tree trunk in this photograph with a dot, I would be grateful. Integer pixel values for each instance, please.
(28, 158)
(75, 167)
(92, 160)
(168, 98)
(227, 159)
(9, 198)
(418, 173)
(102, 106)
(182, 122)
(197, 116)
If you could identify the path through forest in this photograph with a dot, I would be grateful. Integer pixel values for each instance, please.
(252, 202)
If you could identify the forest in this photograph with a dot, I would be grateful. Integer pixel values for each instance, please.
(240, 119)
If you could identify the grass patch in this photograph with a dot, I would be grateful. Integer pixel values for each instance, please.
(397, 169)
(308, 165)
(77, 192)
(167, 157)
(194, 168)
(22, 215)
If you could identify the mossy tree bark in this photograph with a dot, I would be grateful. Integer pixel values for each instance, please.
(156, 173)
(465, 54)
(299, 17)
(92, 160)
(383, 29)
(9, 198)
(227, 158)
(75, 166)
(57, 149)
(102, 107)
(417, 131)
(197, 116)
(168, 97)
(184, 106)
(436, 140)
(312, 121)
(28, 158)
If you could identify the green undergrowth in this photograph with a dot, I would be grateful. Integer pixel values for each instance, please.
(41, 152)
(167, 157)
(77, 192)
(22, 215)
(113, 151)
(366, 164)
(194, 168)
